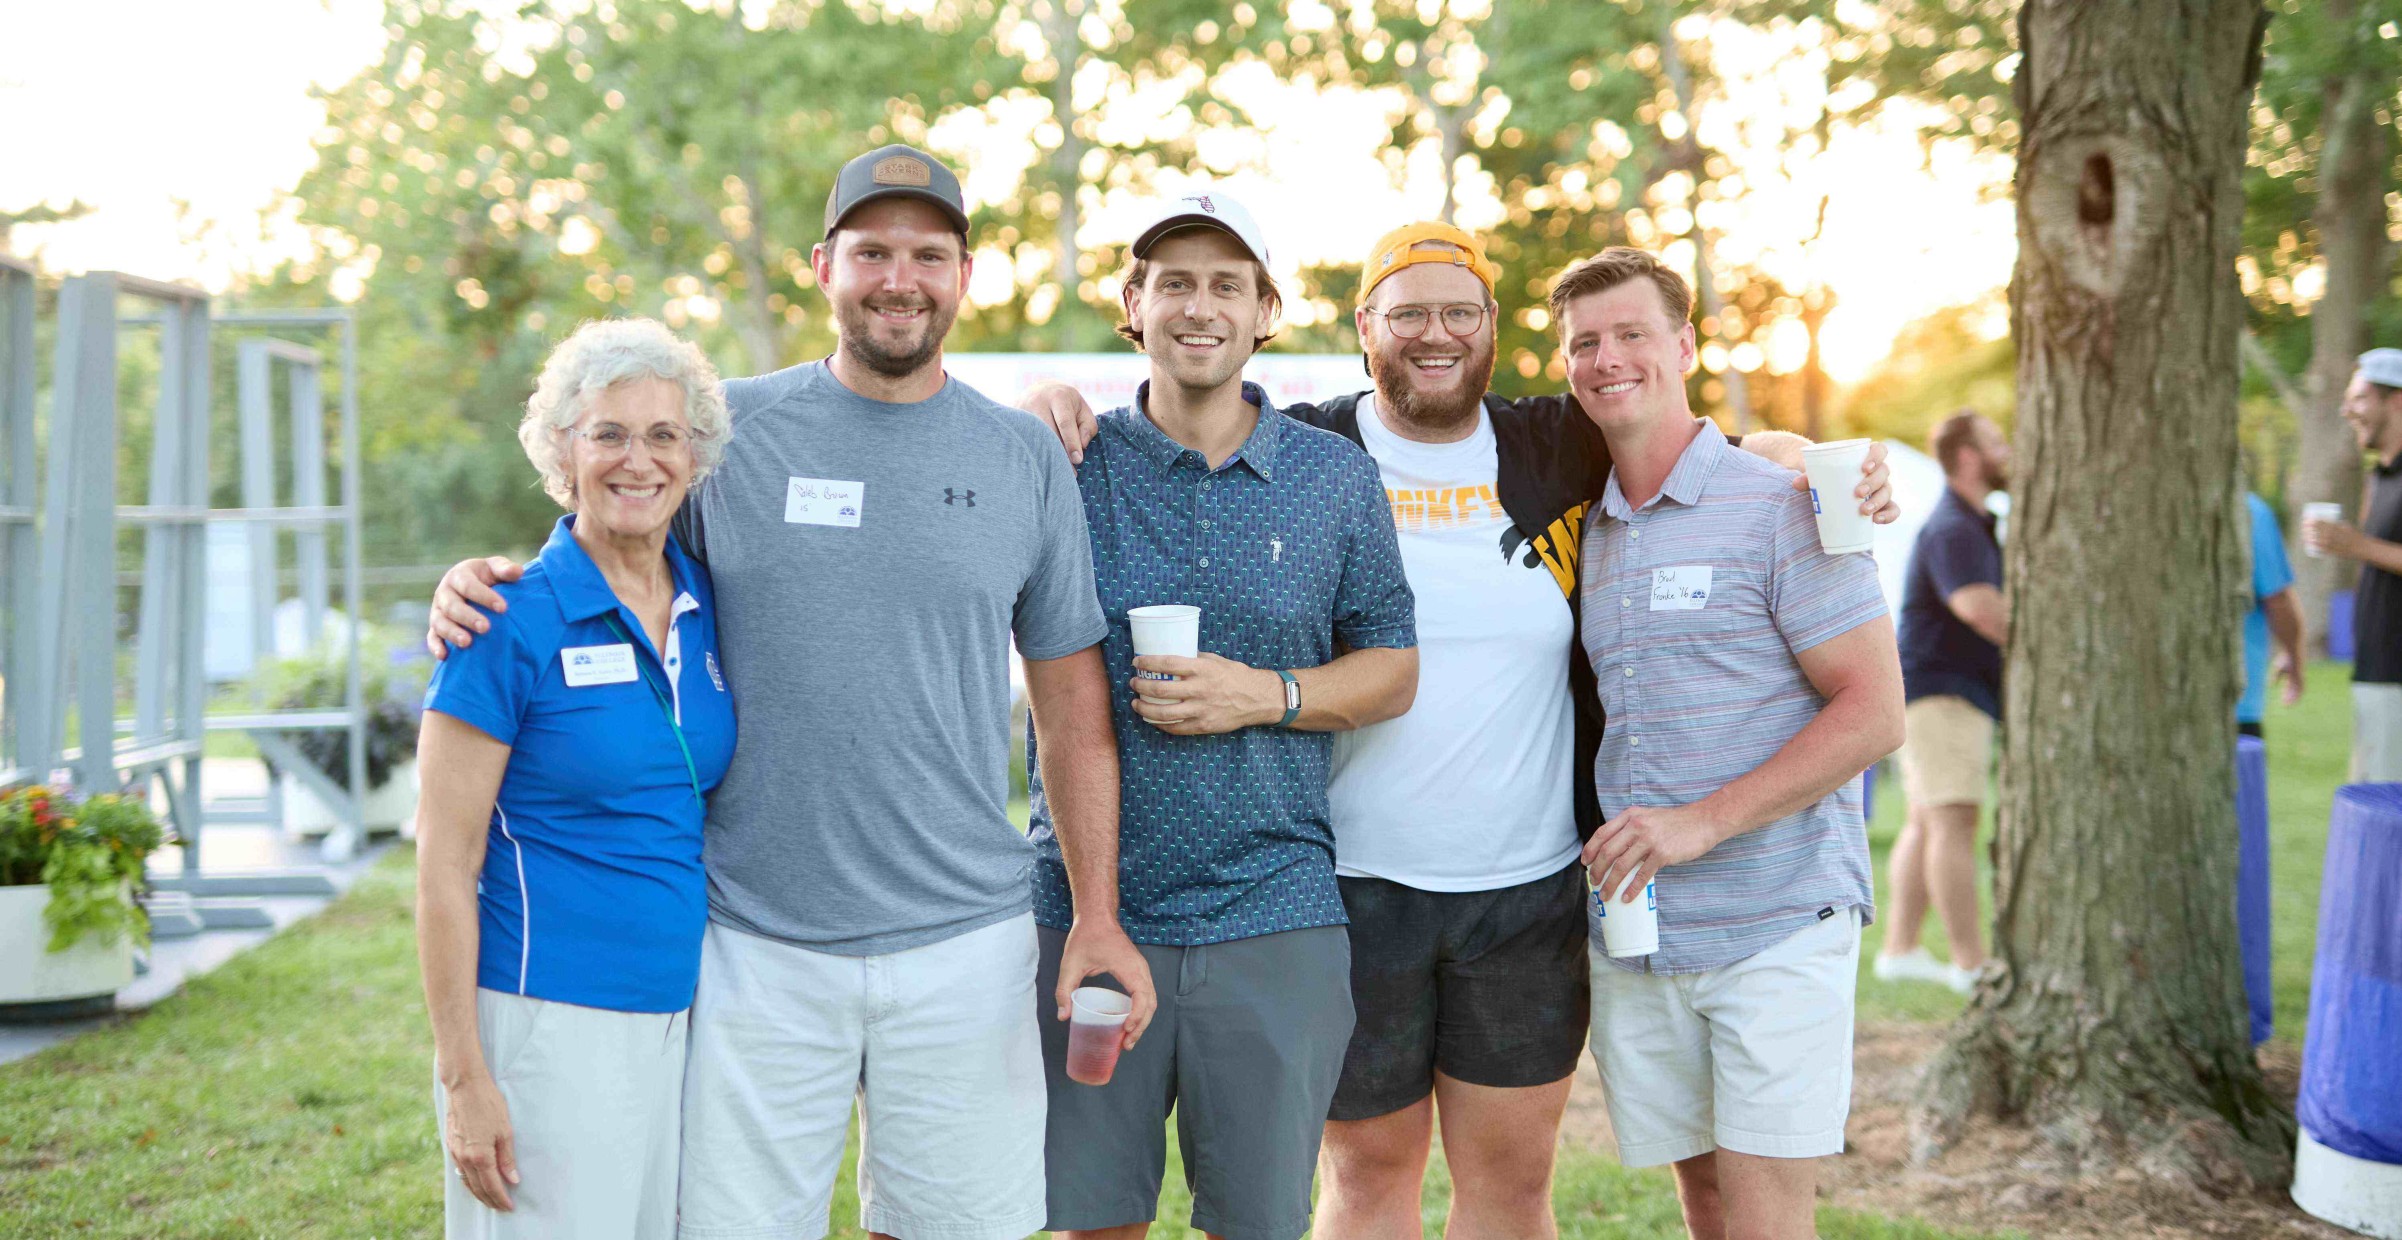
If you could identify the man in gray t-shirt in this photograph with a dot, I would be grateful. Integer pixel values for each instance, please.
(876, 534)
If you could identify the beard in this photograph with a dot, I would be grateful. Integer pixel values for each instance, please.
(1443, 409)
(1997, 477)
(856, 323)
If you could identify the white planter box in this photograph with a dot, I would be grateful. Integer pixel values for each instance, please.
(31, 973)
(390, 806)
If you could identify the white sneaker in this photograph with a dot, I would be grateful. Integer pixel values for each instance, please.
(1915, 965)
(1962, 981)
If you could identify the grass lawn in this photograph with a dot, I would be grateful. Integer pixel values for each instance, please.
(289, 1093)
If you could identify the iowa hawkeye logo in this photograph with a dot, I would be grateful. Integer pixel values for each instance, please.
(1555, 548)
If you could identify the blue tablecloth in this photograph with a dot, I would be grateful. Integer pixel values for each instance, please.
(2351, 1095)
(2252, 880)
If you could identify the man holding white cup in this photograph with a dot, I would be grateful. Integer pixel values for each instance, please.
(1458, 825)
(1259, 551)
(2373, 405)
(1748, 676)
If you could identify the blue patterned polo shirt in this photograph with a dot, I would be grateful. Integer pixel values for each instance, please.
(1287, 548)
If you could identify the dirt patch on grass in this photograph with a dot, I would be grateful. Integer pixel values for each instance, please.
(2000, 1179)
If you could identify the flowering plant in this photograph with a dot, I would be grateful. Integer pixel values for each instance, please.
(86, 852)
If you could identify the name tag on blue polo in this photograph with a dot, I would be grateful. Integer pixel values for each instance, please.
(598, 665)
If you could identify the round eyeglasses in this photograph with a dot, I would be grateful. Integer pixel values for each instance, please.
(1460, 318)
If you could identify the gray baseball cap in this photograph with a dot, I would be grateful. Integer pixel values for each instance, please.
(895, 171)
(2382, 366)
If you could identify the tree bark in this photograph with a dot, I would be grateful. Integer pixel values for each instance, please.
(2116, 1024)
(2356, 159)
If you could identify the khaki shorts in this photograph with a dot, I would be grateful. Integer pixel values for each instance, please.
(1753, 1057)
(1947, 751)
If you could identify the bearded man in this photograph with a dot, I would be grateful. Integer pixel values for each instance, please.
(1458, 825)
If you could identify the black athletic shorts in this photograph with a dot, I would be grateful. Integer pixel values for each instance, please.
(1488, 986)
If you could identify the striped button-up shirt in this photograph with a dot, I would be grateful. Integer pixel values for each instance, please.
(1694, 608)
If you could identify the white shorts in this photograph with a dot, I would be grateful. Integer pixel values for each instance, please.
(1755, 1057)
(939, 1046)
(2376, 733)
(592, 1162)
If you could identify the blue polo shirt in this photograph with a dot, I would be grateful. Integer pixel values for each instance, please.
(1941, 655)
(1287, 548)
(592, 891)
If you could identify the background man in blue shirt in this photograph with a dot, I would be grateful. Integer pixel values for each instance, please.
(1954, 618)
(1202, 494)
(2274, 618)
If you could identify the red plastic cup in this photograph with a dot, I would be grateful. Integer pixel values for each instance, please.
(1096, 1026)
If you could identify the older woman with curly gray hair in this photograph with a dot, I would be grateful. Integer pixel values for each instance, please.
(565, 764)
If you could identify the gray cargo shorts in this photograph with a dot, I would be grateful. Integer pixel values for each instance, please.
(1245, 1051)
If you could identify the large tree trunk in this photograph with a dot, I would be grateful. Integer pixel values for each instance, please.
(2355, 171)
(2117, 1025)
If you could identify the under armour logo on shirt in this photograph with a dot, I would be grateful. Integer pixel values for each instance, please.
(950, 496)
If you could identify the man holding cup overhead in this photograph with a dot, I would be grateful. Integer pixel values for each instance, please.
(1748, 677)
(1202, 496)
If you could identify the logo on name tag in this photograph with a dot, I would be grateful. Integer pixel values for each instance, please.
(1683, 588)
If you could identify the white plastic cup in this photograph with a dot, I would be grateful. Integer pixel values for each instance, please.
(1834, 473)
(2321, 511)
(1096, 1028)
(1629, 929)
(1167, 629)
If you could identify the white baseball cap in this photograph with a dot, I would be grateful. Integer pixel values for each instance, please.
(1211, 209)
(2382, 366)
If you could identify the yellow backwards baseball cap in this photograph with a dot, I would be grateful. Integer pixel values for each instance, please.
(1430, 242)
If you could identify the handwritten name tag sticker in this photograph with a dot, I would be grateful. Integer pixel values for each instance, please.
(824, 501)
(1684, 588)
(597, 665)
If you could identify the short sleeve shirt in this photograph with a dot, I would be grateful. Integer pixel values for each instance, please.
(1287, 548)
(1941, 655)
(873, 561)
(1695, 607)
(592, 890)
(2377, 601)
(2272, 575)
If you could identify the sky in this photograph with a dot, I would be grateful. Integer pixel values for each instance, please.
(186, 139)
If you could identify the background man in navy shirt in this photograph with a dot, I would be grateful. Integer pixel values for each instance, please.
(1202, 494)
(1953, 620)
